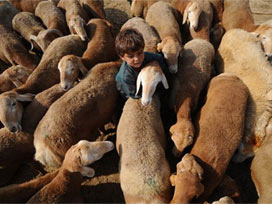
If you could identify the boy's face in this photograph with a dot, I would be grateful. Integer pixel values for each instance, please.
(134, 59)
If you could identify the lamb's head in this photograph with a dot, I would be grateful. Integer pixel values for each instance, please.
(44, 38)
(182, 134)
(171, 49)
(70, 67)
(149, 77)
(187, 181)
(264, 34)
(191, 14)
(84, 153)
(77, 25)
(18, 74)
(11, 109)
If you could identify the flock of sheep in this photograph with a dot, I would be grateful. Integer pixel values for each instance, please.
(57, 86)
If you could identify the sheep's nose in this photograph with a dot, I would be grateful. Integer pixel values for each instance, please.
(13, 129)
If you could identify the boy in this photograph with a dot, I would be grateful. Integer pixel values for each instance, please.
(130, 45)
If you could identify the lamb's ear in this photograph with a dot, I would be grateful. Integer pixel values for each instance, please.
(159, 47)
(25, 97)
(138, 84)
(172, 179)
(164, 81)
(185, 14)
(87, 171)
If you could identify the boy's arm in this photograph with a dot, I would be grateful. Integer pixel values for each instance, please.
(150, 56)
(126, 89)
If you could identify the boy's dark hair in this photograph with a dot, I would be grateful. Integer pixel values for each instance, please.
(128, 40)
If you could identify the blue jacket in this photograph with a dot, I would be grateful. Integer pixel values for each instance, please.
(127, 76)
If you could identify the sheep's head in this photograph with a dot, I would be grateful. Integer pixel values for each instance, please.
(84, 153)
(264, 34)
(77, 25)
(187, 181)
(171, 50)
(191, 14)
(11, 109)
(70, 67)
(182, 134)
(149, 77)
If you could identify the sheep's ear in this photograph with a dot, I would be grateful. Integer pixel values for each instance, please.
(185, 14)
(138, 84)
(32, 38)
(25, 97)
(172, 179)
(164, 82)
(87, 171)
(83, 69)
(16, 82)
(269, 95)
(159, 47)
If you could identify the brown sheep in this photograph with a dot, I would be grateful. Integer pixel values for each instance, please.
(17, 148)
(70, 68)
(7, 12)
(65, 187)
(27, 5)
(193, 75)
(187, 181)
(218, 8)
(94, 8)
(51, 16)
(141, 143)
(219, 128)
(74, 116)
(241, 53)
(151, 38)
(168, 29)
(101, 47)
(13, 77)
(76, 17)
(30, 28)
(12, 50)
(46, 74)
(198, 15)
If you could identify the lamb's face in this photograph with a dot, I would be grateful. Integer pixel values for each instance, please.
(11, 109)
(77, 25)
(182, 134)
(171, 50)
(84, 153)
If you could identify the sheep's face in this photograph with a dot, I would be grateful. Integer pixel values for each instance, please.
(45, 37)
(188, 178)
(182, 134)
(77, 25)
(18, 74)
(149, 77)
(84, 153)
(11, 109)
(70, 66)
(191, 14)
(171, 50)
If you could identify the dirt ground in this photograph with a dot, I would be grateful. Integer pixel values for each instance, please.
(104, 187)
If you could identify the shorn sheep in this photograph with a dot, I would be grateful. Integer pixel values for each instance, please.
(234, 55)
(219, 129)
(13, 51)
(28, 5)
(101, 46)
(198, 14)
(31, 29)
(71, 68)
(187, 180)
(74, 116)
(76, 17)
(151, 38)
(52, 17)
(193, 75)
(144, 170)
(168, 29)
(46, 74)
(149, 77)
(65, 187)
(13, 77)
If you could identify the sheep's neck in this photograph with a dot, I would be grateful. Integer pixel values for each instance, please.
(184, 110)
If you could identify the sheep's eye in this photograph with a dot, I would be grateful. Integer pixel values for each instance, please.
(13, 104)
(264, 38)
